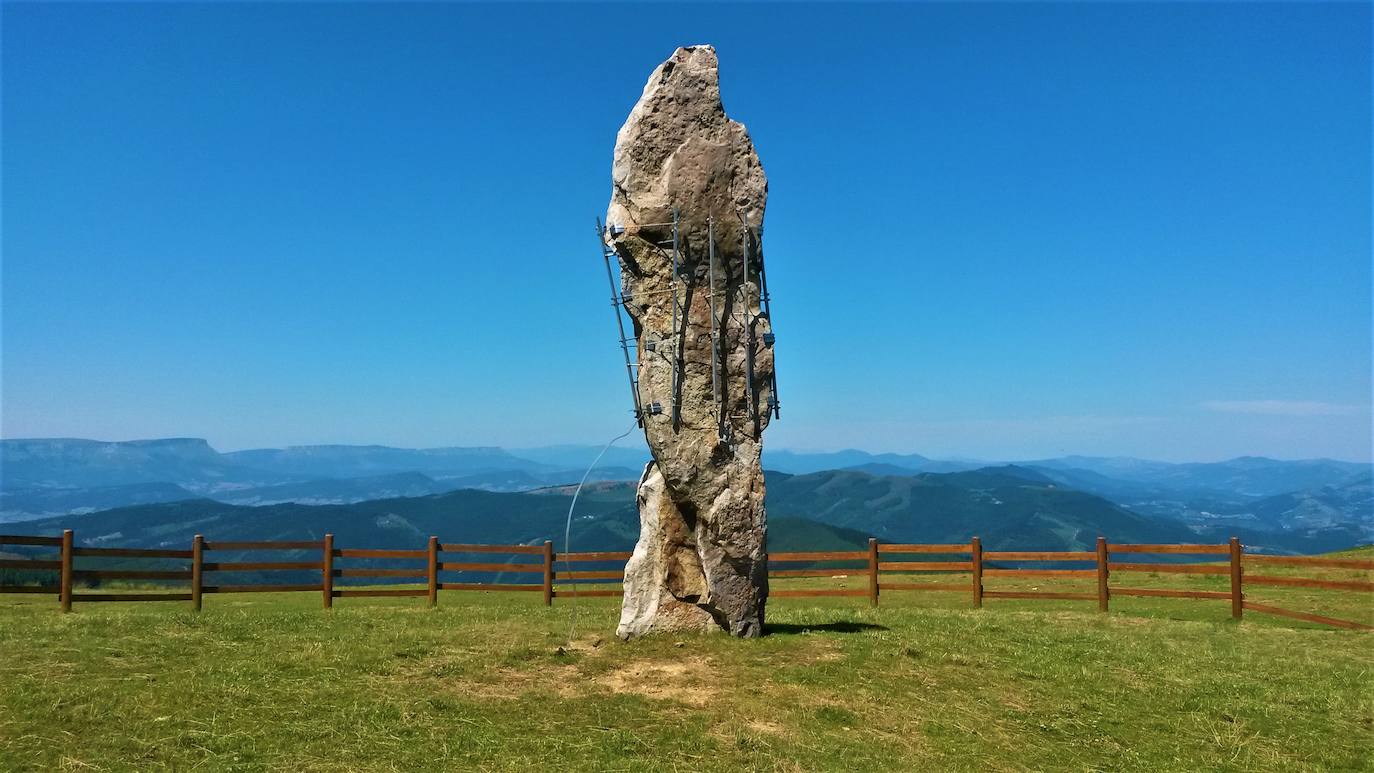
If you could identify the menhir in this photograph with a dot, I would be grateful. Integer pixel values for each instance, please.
(686, 223)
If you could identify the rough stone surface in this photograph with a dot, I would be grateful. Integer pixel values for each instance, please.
(701, 560)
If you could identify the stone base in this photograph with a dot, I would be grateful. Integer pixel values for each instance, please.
(666, 584)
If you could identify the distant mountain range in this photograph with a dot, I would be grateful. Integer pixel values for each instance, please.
(1292, 505)
(45, 477)
(1007, 506)
(363, 461)
(1249, 476)
(819, 511)
(73, 463)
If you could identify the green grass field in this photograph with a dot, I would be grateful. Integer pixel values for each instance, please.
(272, 682)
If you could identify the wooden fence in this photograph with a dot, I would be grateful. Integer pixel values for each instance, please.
(884, 564)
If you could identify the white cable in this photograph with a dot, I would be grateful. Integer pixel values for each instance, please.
(567, 529)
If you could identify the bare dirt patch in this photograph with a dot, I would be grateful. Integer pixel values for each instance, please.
(1015, 699)
(506, 683)
(587, 645)
(765, 727)
(689, 681)
(830, 654)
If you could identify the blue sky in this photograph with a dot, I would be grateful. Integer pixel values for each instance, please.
(994, 231)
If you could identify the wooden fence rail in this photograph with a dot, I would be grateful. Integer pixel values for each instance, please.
(884, 565)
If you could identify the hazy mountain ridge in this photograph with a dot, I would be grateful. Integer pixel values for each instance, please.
(1217, 495)
(342, 491)
(44, 477)
(1315, 507)
(606, 519)
(76, 463)
(333, 491)
(339, 461)
(1005, 506)
(41, 502)
(1248, 476)
(1327, 518)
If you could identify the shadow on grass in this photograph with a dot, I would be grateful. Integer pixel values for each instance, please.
(846, 626)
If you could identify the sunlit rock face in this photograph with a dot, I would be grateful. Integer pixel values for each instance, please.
(701, 559)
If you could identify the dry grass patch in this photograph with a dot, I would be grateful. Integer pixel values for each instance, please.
(691, 680)
(766, 727)
(511, 683)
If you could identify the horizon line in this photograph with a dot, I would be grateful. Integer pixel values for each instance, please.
(808, 451)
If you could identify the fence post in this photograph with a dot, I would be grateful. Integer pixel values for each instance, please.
(65, 590)
(976, 548)
(433, 574)
(873, 571)
(548, 573)
(327, 570)
(197, 563)
(1102, 592)
(1237, 598)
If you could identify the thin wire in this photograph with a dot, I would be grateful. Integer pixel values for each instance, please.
(567, 529)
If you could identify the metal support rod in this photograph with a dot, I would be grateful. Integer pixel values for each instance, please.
(678, 335)
(715, 329)
(619, 323)
(765, 302)
(748, 332)
(679, 316)
(672, 277)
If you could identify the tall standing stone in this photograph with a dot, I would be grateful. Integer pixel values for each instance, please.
(701, 560)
